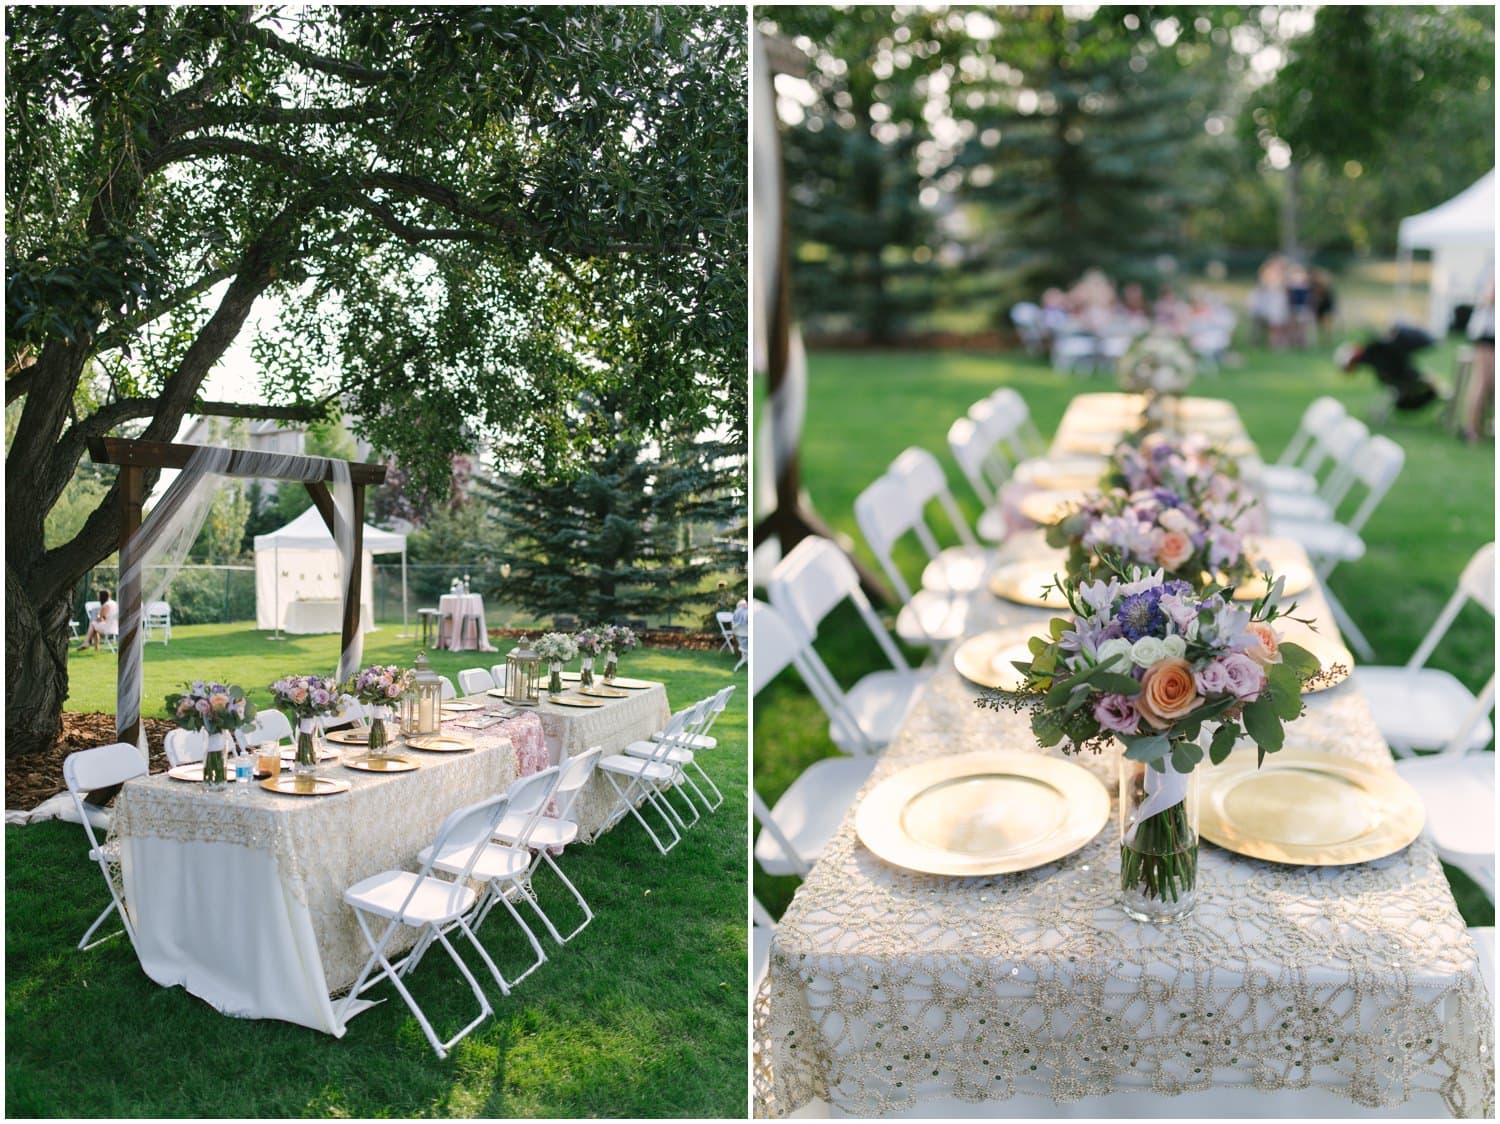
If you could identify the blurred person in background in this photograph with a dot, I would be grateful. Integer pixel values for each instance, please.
(1269, 309)
(1299, 306)
(1482, 376)
(1323, 303)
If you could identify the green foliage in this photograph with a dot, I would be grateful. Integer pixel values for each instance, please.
(635, 533)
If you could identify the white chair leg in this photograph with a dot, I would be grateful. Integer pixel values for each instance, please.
(588, 914)
(84, 944)
(536, 945)
(709, 781)
(628, 806)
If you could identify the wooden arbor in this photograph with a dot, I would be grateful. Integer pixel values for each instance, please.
(134, 457)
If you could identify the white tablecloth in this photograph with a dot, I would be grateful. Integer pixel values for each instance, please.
(891, 992)
(452, 609)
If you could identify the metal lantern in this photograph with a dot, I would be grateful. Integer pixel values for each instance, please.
(421, 707)
(523, 675)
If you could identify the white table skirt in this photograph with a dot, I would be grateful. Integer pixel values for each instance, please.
(452, 609)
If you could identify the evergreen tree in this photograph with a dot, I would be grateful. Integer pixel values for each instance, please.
(634, 534)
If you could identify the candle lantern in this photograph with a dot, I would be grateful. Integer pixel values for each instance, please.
(421, 707)
(523, 674)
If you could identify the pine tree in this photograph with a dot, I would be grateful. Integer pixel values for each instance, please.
(635, 534)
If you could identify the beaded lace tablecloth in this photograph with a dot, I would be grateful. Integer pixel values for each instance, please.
(887, 987)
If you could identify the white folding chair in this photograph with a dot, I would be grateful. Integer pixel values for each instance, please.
(1339, 445)
(1075, 353)
(699, 737)
(183, 747)
(795, 831)
(552, 833)
(269, 726)
(1029, 437)
(1003, 424)
(475, 681)
(684, 753)
(1419, 707)
(433, 906)
(804, 588)
(954, 569)
(643, 778)
(504, 866)
(1328, 542)
(725, 618)
(886, 512)
(762, 929)
(1027, 318)
(986, 469)
(446, 690)
(1458, 793)
(157, 618)
(83, 772)
(742, 638)
(1294, 470)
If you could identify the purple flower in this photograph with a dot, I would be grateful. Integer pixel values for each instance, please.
(1247, 679)
(1141, 615)
(1213, 679)
(1117, 713)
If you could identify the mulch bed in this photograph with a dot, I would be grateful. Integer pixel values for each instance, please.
(31, 779)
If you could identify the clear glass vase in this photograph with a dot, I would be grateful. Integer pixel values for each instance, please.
(1158, 815)
(215, 762)
(554, 678)
(379, 735)
(305, 763)
(586, 672)
(611, 667)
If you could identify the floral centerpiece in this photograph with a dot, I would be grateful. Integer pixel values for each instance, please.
(216, 709)
(1146, 661)
(1191, 535)
(616, 638)
(1158, 365)
(309, 698)
(590, 643)
(379, 687)
(557, 648)
(1184, 464)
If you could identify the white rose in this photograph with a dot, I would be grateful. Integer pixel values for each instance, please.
(1110, 649)
(1175, 647)
(1147, 651)
(1174, 520)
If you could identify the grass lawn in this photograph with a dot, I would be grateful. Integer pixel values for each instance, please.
(863, 408)
(643, 1014)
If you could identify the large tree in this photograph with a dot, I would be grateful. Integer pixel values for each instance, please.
(456, 221)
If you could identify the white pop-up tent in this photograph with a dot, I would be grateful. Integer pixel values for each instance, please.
(297, 582)
(1461, 237)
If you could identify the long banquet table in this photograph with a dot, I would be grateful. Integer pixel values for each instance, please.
(1288, 991)
(237, 895)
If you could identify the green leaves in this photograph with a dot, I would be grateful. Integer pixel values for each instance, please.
(1223, 742)
(1263, 723)
(1298, 660)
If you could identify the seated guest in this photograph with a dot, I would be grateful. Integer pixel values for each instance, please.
(106, 622)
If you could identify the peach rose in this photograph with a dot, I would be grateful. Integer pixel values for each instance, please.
(1175, 549)
(1267, 646)
(1167, 692)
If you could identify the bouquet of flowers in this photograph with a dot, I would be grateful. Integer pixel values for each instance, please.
(616, 638)
(309, 697)
(1190, 536)
(557, 648)
(1185, 465)
(216, 709)
(1145, 660)
(590, 643)
(1157, 363)
(378, 687)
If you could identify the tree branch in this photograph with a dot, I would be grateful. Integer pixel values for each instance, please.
(302, 56)
(311, 412)
(118, 334)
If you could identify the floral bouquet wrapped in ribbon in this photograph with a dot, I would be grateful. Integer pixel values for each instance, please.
(379, 687)
(557, 648)
(616, 638)
(590, 643)
(309, 698)
(216, 709)
(1194, 537)
(1144, 660)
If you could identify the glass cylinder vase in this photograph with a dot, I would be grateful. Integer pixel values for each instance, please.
(215, 762)
(305, 763)
(586, 672)
(611, 667)
(554, 678)
(379, 736)
(1158, 816)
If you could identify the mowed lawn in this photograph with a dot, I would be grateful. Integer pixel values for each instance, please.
(863, 408)
(643, 1014)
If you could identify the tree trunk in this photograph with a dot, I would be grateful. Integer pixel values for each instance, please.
(36, 668)
(1290, 192)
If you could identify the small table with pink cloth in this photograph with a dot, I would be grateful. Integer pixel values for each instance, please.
(453, 609)
(237, 894)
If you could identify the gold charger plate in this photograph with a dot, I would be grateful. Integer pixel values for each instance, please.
(986, 659)
(572, 700)
(348, 737)
(1022, 583)
(1308, 807)
(982, 813)
(603, 693)
(439, 743)
(461, 707)
(629, 684)
(288, 784)
(192, 771)
(381, 763)
(1051, 505)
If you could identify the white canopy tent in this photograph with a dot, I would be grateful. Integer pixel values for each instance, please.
(1461, 237)
(298, 565)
